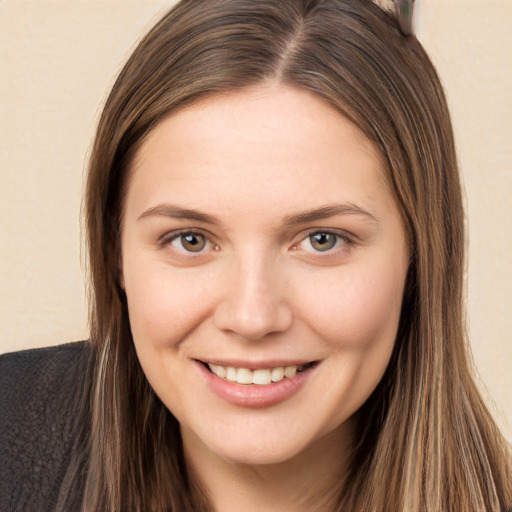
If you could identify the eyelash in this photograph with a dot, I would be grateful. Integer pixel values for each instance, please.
(342, 242)
(177, 235)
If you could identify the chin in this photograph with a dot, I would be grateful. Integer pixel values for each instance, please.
(247, 446)
(264, 446)
(259, 455)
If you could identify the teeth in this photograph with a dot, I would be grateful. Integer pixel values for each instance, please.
(261, 377)
(290, 371)
(277, 374)
(231, 374)
(244, 376)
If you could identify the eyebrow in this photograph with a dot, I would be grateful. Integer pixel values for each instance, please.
(313, 215)
(328, 211)
(176, 212)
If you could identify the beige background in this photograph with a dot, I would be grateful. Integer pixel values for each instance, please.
(57, 61)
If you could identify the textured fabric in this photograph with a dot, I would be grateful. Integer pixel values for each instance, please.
(40, 390)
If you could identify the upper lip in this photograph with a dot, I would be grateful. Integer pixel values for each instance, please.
(255, 365)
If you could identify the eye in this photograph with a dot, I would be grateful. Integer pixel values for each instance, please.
(323, 241)
(189, 242)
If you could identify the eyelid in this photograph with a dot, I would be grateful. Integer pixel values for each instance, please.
(341, 233)
(169, 237)
(348, 240)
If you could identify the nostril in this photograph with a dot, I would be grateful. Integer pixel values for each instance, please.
(253, 319)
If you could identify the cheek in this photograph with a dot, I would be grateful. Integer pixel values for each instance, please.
(164, 304)
(355, 308)
(356, 314)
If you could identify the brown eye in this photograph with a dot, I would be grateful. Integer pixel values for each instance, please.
(323, 241)
(192, 242)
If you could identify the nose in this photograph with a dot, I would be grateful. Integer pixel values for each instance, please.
(254, 303)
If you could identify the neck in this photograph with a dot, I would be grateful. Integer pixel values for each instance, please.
(310, 481)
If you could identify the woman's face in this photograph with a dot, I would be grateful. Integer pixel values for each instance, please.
(264, 260)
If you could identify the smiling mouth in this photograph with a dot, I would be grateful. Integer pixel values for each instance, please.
(260, 376)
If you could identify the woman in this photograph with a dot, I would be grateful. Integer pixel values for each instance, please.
(276, 242)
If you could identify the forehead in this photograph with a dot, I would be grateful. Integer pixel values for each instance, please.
(272, 146)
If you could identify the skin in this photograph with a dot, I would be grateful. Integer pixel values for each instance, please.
(259, 290)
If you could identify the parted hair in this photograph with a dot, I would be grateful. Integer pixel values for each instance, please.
(426, 441)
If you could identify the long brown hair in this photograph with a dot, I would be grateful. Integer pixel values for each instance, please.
(427, 441)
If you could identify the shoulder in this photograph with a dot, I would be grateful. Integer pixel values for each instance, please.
(37, 380)
(40, 394)
(43, 362)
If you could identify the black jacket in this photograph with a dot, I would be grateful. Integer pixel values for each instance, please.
(40, 391)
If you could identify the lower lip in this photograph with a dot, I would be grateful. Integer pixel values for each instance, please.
(253, 396)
